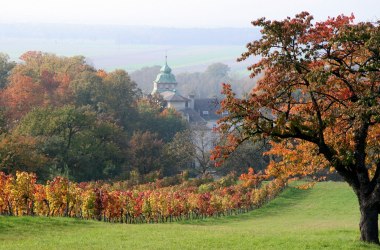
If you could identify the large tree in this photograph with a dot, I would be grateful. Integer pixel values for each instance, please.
(75, 141)
(42, 79)
(320, 88)
(145, 152)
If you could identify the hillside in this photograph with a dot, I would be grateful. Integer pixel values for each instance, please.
(323, 217)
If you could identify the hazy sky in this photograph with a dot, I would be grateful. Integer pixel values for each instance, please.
(178, 13)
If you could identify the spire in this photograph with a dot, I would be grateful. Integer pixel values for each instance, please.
(166, 69)
(165, 80)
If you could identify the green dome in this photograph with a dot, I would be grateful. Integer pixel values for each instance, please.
(165, 75)
(166, 69)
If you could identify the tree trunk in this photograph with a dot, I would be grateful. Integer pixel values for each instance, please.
(369, 229)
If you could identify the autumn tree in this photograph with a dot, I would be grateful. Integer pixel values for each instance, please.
(20, 97)
(42, 79)
(320, 89)
(20, 153)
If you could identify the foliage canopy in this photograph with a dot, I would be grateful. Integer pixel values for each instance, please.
(320, 92)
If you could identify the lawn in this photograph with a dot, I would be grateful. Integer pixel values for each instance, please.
(325, 216)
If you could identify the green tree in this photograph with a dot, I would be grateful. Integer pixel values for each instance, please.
(156, 119)
(5, 69)
(179, 153)
(145, 152)
(119, 95)
(76, 142)
(87, 89)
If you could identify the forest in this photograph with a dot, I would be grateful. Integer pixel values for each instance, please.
(61, 116)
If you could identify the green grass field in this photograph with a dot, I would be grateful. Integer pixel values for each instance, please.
(109, 55)
(325, 217)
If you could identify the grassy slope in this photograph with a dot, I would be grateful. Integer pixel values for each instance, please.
(323, 217)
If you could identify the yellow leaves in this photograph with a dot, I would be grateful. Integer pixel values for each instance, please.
(22, 193)
(296, 158)
(251, 179)
(59, 197)
(306, 186)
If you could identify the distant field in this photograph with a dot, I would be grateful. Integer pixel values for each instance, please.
(326, 216)
(109, 55)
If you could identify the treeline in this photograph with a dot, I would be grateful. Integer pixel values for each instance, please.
(206, 84)
(61, 116)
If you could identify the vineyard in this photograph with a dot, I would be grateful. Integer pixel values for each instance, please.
(148, 203)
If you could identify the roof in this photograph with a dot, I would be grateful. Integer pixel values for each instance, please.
(173, 96)
(193, 116)
(207, 108)
(166, 69)
(165, 75)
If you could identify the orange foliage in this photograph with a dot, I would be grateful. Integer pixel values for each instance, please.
(21, 96)
(251, 179)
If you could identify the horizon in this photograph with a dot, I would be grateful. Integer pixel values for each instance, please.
(131, 35)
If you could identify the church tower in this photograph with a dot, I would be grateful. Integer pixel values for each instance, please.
(165, 80)
(165, 85)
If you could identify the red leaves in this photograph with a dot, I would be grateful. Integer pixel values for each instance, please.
(320, 85)
(60, 197)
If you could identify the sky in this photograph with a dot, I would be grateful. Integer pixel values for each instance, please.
(179, 13)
